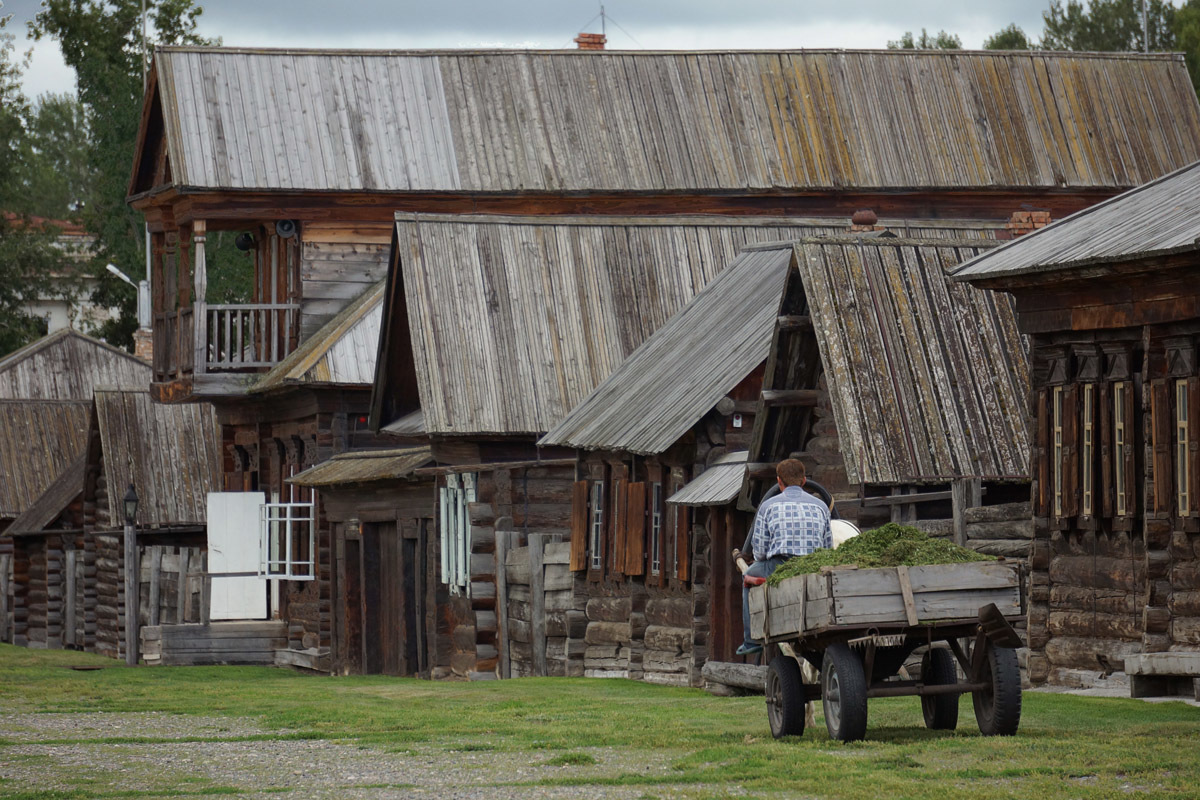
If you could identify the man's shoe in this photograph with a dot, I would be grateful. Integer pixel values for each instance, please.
(749, 649)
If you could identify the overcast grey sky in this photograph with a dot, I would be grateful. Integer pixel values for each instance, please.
(633, 24)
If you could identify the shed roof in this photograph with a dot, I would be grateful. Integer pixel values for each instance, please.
(717, 485)
(665, 121)
(38, 440)
(512, 321)
(57, 497)
(1160, 218)
(928, 379)
(66, 365)
(364, 466)
(657, 394)
(171, 453)
(342, 352)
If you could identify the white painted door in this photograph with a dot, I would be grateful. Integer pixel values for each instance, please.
(233, 546)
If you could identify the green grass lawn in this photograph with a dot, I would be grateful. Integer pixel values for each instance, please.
(1067, 747)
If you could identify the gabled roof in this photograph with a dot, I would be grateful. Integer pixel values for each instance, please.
(501, 325)
(53, 502)
(66, 365)
(1160, 218)
(691, 362)
(364, 466)
(342, 352)
(171, 453)
(39, 439)
(570, 121)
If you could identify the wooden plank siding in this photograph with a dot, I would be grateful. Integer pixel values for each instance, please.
(66, 365)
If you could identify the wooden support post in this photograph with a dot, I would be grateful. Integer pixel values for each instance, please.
(155, 582)
(68, 635)
(199, 303)
(183, 609)
(964, 493)
(5, 589)
(537, 601)
(131, 596)
(503, 538)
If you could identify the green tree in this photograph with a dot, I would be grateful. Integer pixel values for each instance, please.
(57, 176)
(101, 41)
(1009, 38)
(942, 41)
(27, 252)
(1186, 29)
(1107, 25)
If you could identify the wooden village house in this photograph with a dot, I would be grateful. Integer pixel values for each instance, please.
(69, 543)
(309, 154)
(45, 397)
(795, 349)
(1110, 298)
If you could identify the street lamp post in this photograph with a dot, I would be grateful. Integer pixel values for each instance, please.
(132, 575)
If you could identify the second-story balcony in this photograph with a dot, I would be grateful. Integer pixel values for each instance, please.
(204, 349)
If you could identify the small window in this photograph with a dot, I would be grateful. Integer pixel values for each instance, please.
(656, 521)
(1088, 450)
(287, 541)
(455, 531)
(1120, 391)
(1058, 451)
(1181, 446)
(596, 538)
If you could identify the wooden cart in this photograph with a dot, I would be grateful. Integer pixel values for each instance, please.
(859, 626)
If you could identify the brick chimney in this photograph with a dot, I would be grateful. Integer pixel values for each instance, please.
(591, 41)
(1023, 222)
(143, 345)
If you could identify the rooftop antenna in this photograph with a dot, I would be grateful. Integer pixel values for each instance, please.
(604, 19)
(1145, 30)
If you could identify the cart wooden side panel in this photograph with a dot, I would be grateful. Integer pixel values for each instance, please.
(891, 597)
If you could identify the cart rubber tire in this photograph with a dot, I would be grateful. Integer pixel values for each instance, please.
(844, 693)
(785, 697)
(940, 710)
(998, 709)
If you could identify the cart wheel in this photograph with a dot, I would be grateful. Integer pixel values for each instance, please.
(940, 710)
(998, 708)
(843, 693)
(785, 697)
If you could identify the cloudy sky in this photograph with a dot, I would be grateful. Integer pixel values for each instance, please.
(632, 24)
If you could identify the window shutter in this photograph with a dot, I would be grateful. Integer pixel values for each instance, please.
(1133, 436)
(1042, 455)
(682, 568)
(635, 529)
(616, 528)
(1070, 452)
(1162, 428)
(1193, 418)
(579, 525)
(1104, 502)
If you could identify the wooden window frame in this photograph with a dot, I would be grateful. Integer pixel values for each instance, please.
(1088, 451)
(1183, 497)
(657, 498)
(1120, 394)
(596, 528)
(1056, 438)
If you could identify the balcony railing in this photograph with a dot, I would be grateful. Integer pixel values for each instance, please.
(248, 336)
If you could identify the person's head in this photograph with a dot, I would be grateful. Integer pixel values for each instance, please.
(790, 472)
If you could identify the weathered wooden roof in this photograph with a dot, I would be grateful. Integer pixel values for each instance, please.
(657, 394)
(514, 320)
(717, 485)
(928, 379)
(570, 121)
(364, 466)
(52, 502)
(171, 453)
(66, 365)
(342, 352)
(38, 440)
(1161, 218)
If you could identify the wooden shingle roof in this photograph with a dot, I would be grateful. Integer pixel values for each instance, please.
(38, 441)
(512, 321)
(66, 365)
(570, 121)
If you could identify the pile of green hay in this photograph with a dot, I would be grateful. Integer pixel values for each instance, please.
(887, 546)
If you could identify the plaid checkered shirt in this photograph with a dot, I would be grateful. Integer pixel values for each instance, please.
(792, 523)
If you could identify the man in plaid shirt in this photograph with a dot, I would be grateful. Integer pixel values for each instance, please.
(792, 523)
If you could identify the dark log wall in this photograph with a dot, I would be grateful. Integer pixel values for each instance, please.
(1116, 535)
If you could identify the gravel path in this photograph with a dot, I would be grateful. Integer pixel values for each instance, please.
(46, 752)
